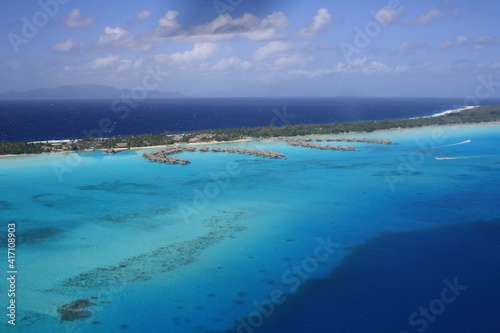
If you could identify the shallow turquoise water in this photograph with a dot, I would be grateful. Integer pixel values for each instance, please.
(170, 248)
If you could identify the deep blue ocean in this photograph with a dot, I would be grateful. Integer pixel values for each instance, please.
(61, 119)
(389, 238)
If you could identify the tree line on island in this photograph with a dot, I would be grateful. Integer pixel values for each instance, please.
(476, 115)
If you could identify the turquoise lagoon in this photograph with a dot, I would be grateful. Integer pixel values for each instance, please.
(171, 248)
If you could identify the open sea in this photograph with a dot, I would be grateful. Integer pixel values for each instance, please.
(384, 239)
(55, 120)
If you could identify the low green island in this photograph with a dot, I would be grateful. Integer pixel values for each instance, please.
(481, 114)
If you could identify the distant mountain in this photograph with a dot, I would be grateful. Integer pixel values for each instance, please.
(84, 91)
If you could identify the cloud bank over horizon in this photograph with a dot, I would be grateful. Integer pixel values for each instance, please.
(388, 48)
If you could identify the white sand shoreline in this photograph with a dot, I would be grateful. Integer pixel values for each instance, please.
(271, 138)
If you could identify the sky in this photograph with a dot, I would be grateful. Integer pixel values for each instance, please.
(254, 48)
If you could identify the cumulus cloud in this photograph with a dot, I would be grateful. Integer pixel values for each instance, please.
(320, 23)
(126, 64)
(448, 44)
(408, 48)
(112, 64)
(142, 14)
(105, 62)
(485, 41)
(67, 46)
(168, 23)
(292, 60)
(200, 52)
(223, 27)
(271, 48)
(477, 44)
(387, 15)
(231, 63)
(76, 20)
(120, 38)
(433, 14)
(249, 26)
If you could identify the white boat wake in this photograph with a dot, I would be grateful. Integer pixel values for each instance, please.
(456, 144)
(462, 157)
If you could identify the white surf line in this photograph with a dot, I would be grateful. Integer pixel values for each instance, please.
(455, 144)
(461, 157)
(447, 112)
(452, 111)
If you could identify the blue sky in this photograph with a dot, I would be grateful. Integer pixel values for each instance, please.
(207, 48)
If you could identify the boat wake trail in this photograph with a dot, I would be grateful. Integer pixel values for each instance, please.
(462, 157)
(456, 144)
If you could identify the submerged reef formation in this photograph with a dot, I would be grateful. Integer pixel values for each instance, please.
(5, 205)
(75, 310)
(145, 266)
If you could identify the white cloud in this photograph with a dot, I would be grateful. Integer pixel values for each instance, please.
(448, 44)
(433, 14)
(67, 46)
(142, 14)
(117, 37)
(408, 48)
(271, 48)
(232, 63)
(105, 62)
(224, 27)
(364, 66)
(75, 20)
(387, 15)
(462, 39)
(293, 60)
(485, 41)
(112, 35)
(359, 62)
(200, 52)
(126, 64)
(320, 23)
(168, 23)
(111, 64)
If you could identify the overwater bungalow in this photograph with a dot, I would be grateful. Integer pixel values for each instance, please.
(162, 156)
